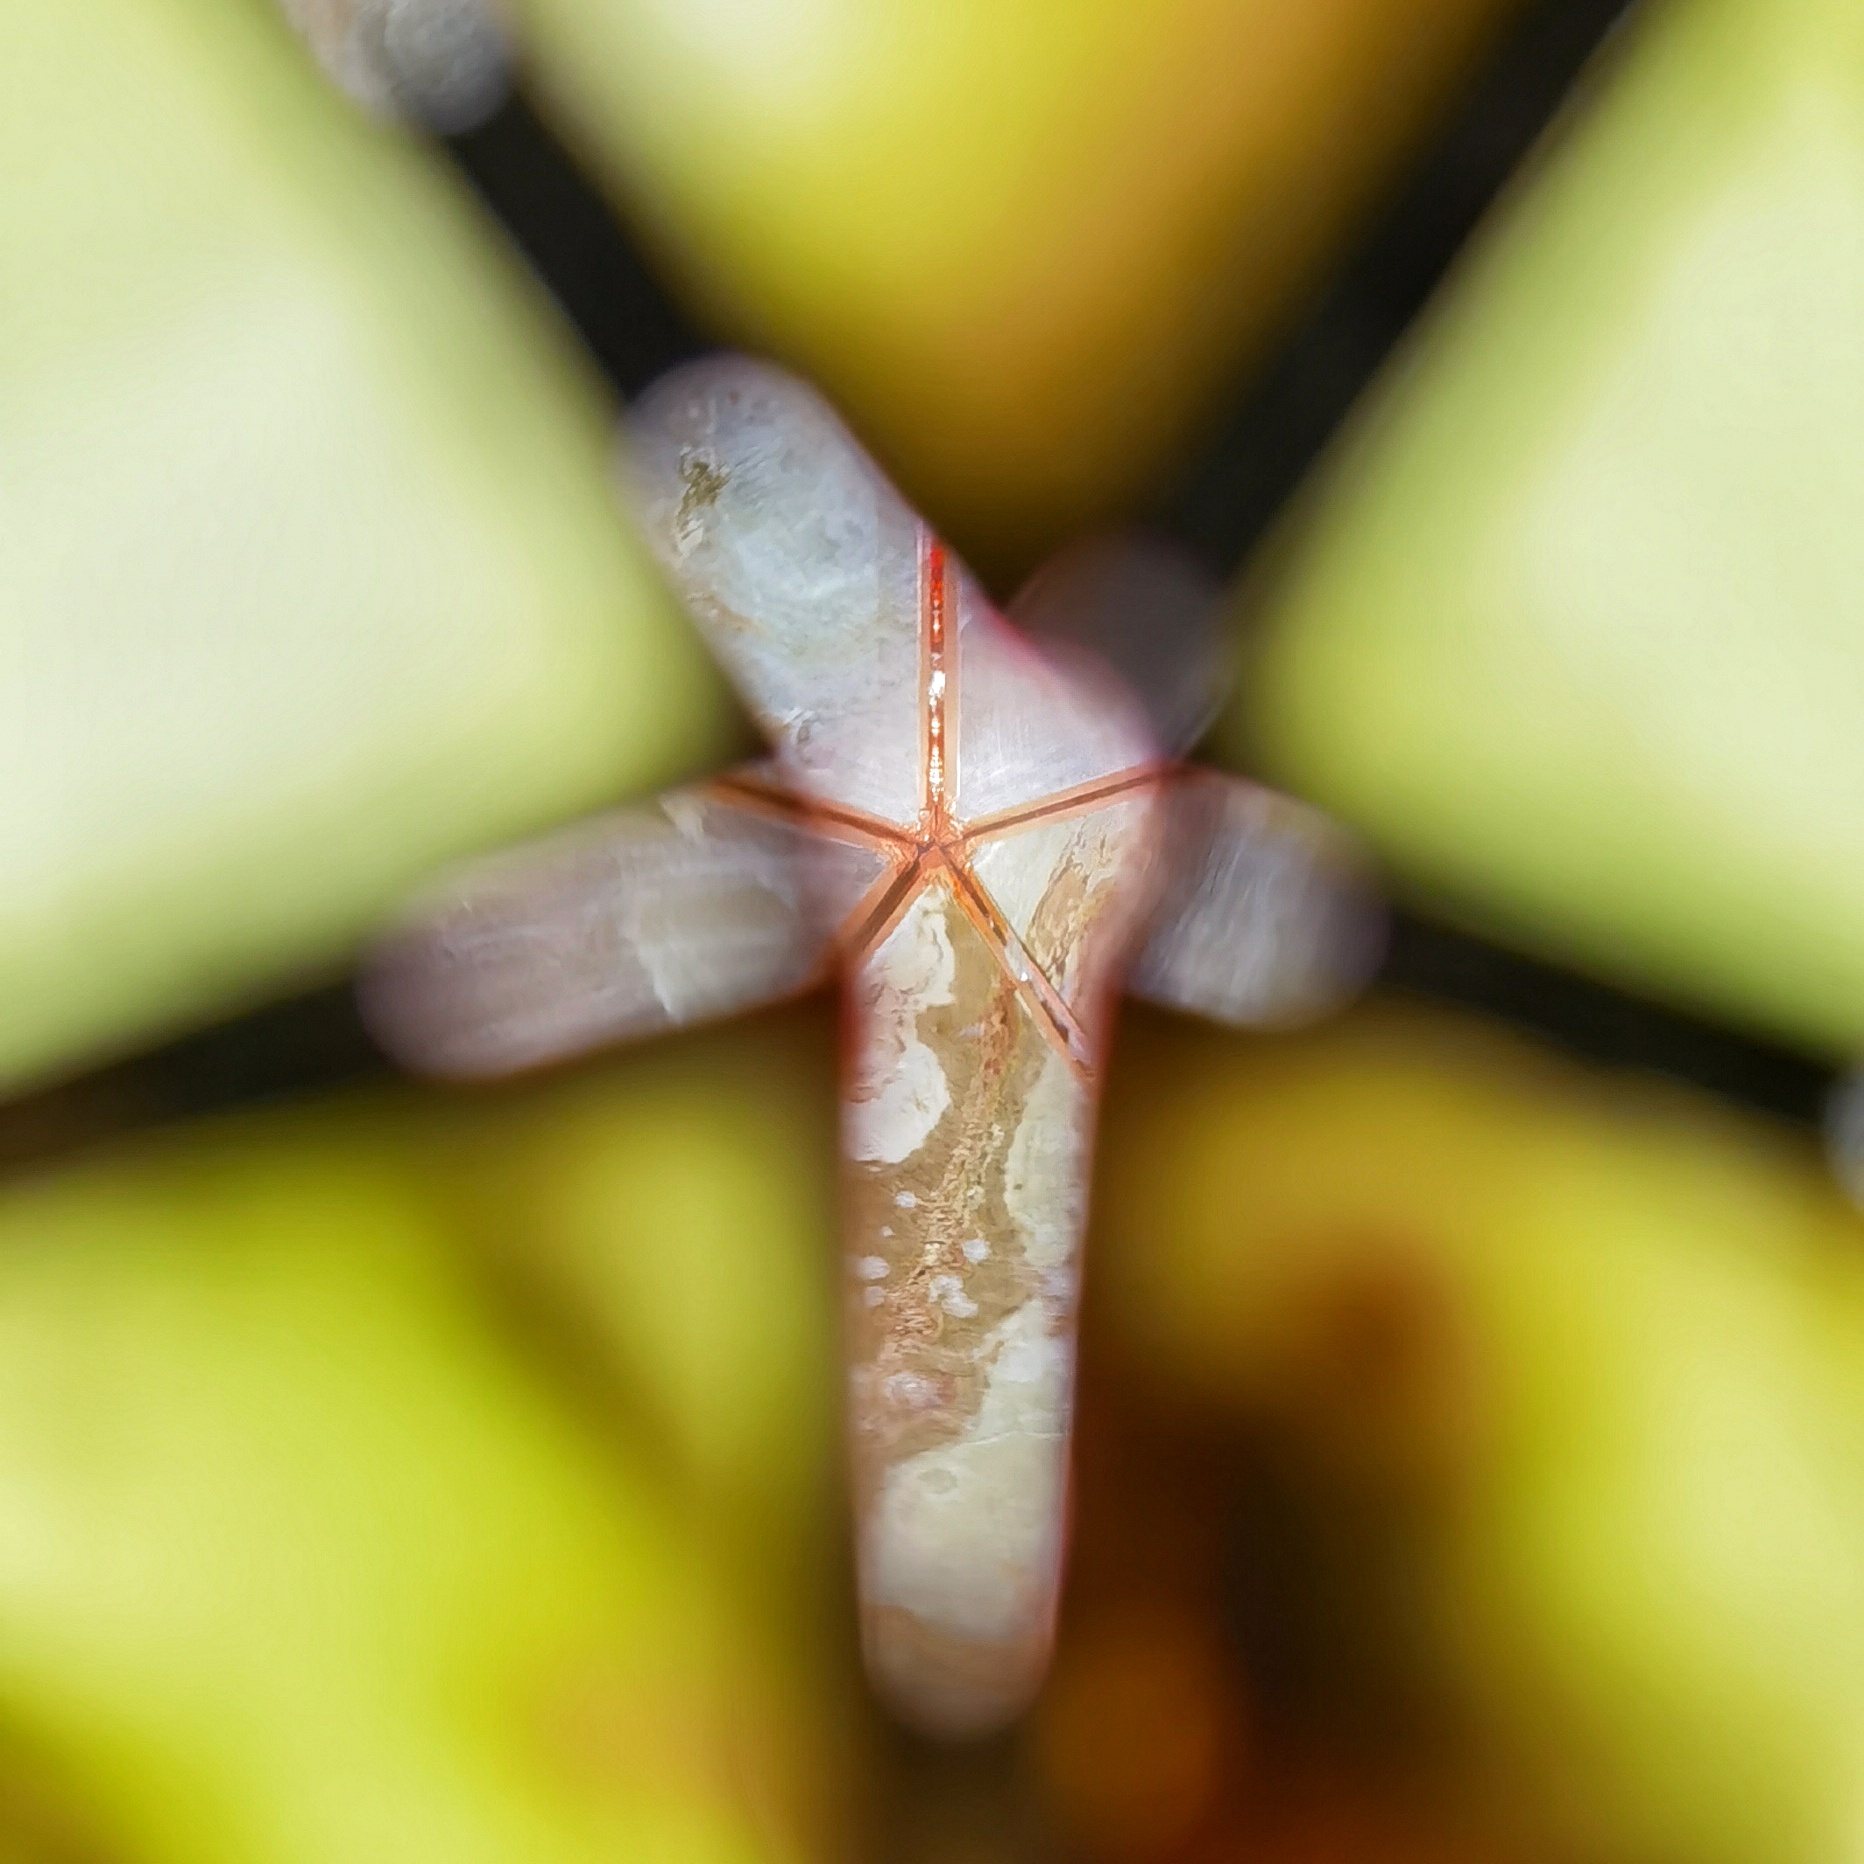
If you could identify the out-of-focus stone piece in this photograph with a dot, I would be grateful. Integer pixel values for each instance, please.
(710, 901)
(1572, 625)
(445, 63)
(1269, 916)
(308, 1560)
(1562, 1369)
(311, 578)
(1148, 611)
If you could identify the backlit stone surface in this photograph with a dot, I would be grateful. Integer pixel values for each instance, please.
(709, 901)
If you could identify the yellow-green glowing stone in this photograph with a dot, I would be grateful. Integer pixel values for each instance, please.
(1574, 625)
(309, 569)
(1571, 1363)
(313, 1552)
(1022, 245)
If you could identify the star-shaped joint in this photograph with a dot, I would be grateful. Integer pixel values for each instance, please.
(984, 838)
(940, 846)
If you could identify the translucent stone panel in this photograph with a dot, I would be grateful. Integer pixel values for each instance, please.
(966, 1136)
(1269, 914)
(1071, 888)
(1027, 728)
(655, 918)
(801, 566)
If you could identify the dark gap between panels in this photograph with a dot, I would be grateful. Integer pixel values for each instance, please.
(1230, 494)
(574, 244)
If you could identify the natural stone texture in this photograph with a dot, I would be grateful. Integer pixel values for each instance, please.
(1270, 917)
(712, 900)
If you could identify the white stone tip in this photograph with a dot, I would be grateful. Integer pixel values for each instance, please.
(951, 1688)
(728, 388)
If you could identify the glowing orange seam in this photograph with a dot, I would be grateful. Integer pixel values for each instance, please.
(939, 842)
(1082, 799)
(751, 793)
(1052, 1014)
(936, 666)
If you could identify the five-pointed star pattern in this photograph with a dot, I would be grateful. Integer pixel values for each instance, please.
(981, 837)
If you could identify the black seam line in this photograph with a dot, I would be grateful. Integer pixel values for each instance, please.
(1600, 1024)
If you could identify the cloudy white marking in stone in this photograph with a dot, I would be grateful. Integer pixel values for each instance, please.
(910, 1390)
(900, 1091)
(871, 1268)
(799, 564)
(967, 1536)
(976, 1249)
(687, 812)
(947, 1291)
(907, 1201)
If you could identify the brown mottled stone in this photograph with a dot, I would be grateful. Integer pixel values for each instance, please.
(966, 1134)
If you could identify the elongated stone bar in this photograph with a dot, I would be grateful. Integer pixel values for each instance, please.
(710, 900)
(1270, 917)
(968, 1134)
